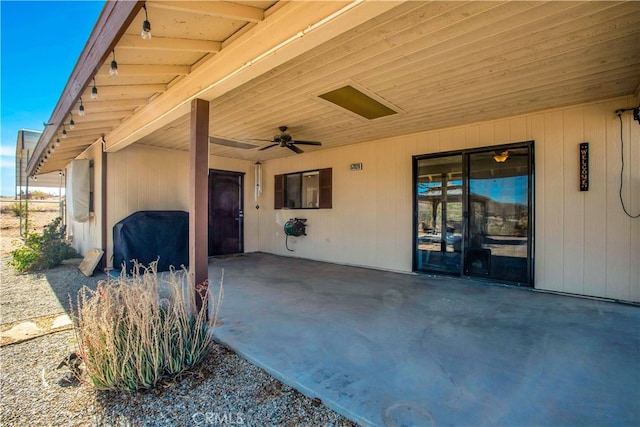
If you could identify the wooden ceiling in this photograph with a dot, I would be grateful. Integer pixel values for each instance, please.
(441, 63)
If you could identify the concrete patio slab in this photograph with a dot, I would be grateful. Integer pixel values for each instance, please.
(397, 349)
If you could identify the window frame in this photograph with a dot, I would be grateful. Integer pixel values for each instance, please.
(325, 184)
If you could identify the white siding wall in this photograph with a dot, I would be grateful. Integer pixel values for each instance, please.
(148, 178)
(584, 242)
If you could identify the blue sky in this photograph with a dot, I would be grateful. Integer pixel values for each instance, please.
(40, 43)
(505, 190)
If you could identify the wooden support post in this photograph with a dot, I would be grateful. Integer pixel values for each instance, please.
(199, 199)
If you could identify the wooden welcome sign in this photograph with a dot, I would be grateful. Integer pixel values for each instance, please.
(584, 166)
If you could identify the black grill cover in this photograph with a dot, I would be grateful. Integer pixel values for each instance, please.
(147, 236)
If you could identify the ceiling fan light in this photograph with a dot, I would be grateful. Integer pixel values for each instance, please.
(501, 157)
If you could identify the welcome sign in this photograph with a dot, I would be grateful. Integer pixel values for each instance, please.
(584, 166)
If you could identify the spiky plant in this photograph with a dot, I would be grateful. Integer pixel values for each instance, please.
(133, 337)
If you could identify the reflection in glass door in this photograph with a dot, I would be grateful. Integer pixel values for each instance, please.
(439, 233)
(498, 238)
(473, 213)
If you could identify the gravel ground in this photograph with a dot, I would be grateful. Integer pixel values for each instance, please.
(224, 390)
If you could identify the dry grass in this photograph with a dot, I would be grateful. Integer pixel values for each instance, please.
(131, 337)
(41, 212)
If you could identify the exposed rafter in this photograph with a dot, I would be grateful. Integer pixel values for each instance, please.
(129, 91)
(92, 106)
(218, 9)
(147, 70)
(130, 41)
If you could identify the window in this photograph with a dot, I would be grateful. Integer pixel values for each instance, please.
(303, 190)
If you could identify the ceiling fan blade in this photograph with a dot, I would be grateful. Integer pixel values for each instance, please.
(268, 146)
(256, 139)
(307, 142)
(231, 143)
(294, 148)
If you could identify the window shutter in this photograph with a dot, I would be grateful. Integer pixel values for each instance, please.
(278, 192)
(326, 182)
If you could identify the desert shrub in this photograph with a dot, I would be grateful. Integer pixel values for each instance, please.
(40, 251)
(16, 208)
(131, 337)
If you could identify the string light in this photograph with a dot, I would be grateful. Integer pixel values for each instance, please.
(146, 25)
(113, 68)
(94, 90)
(72, 123)
(64, 132)
(57, 142)
(81, 109)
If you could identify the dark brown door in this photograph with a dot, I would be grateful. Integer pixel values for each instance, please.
(226, 213)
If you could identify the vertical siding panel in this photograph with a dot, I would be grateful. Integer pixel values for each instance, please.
(388, 172)
(404, 212)
(153, 159)
(132, 172)
(595, 210)
(634, 209)
(120, 187)
(573, 203)
(518, 129)
(502, 132)
(536, 132)
(472, 136)
(380, 158)
(618, 224)
(143, 180)
(487, 134)
(553, 204)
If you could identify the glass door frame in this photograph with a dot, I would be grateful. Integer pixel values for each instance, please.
(529, 145)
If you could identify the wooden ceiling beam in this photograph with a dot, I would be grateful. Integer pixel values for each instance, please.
(97, 106)
(146, 70)
(130, 41)
(83, 133)
(218, 9)
(129, 90)
(94, 116)
(84, 126)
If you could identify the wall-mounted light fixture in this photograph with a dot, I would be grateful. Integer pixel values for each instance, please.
(146, 25)
(501, 157)
(81, 109)
(113, 68)
(94, 90)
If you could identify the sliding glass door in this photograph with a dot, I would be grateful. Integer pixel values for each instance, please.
(473, 213)
(440, 214)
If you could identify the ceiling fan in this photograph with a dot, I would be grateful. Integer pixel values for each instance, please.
(285, 140)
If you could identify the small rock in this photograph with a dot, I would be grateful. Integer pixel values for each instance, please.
(61, 322)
